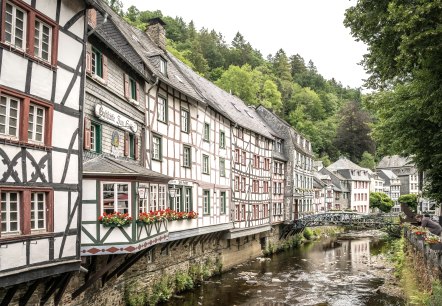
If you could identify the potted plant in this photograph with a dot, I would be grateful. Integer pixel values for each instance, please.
(433, 242)
(115, 219)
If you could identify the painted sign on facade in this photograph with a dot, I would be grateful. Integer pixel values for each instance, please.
(114, 118)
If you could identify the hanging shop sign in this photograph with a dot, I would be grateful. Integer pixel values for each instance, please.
(106, 114)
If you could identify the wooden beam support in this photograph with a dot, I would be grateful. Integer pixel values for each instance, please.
(9, 295)
(94, 277)
(51, 286)
(130, 262)
(25, 298)
(63, 285)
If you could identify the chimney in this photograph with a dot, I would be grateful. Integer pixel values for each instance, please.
(157, 32)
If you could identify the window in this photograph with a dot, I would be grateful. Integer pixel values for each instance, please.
(185, 122)
(267, 164)
(206, 202)
(222, 139)
(266, 187)
(222, 167)
(95, 137)
(223, 202)
(240, 133)
(9, 116)
(133, 89)
(25, 211)
(278, 146)
(10, 208)
(237, 155)
(206, 132)
(255, 185)
(35, 128)
(206, 165)
(176, 200)
(97, 63)
(15, 26)
(187, 199)
(115, 197)
(163, 66)
(256, 161)
(156, 148)
(236, 183)
(42, 40)
(38, 211)
(132, 146)
(187, 156)
(243, 184)
(153, 206)
(243, 157)
(162, 109)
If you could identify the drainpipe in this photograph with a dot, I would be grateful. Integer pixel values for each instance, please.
(146, 120)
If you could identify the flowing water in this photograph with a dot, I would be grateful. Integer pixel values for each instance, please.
(337, 271)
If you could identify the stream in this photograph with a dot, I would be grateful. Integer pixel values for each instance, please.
(340, 271)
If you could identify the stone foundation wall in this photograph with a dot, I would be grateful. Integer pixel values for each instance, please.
(426, 262)
(161, 263)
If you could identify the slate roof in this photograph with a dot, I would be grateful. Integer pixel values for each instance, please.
(344, 163)
(336, 179)
(388, 176)
(229, 105)
(106, 166)
(135, 45)
(395, 161)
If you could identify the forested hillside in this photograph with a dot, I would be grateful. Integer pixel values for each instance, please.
(328, 113)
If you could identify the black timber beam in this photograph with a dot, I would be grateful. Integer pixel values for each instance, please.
(63, 285)
(25, 298)
(94, 277)
(8, 296)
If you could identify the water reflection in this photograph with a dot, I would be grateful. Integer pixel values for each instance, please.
(331, 272)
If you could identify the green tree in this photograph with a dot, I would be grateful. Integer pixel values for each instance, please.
(381, 201)
(281, 66)
(404, 60)
(410, 200)
(353, 134)
(367, 161)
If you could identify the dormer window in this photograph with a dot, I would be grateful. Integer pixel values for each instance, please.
(163, 66)
(97, 63)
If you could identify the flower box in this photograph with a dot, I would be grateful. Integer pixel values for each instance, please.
(181, 225)
(115, 219)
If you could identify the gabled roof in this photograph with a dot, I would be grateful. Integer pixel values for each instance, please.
(344, 163)
(395, 161)
(135, 45)
(106, 166)
(227, 104)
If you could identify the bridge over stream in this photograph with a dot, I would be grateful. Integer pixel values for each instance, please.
(389, 223)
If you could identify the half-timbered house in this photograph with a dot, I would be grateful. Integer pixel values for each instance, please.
(297, 158)
(42, 69)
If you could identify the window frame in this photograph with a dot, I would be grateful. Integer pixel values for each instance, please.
(206, 204)
(97, 68)
(223, 202)
(43, 24)
(205, 165)
(222, 167)
(24, 208)
(185, 120)
(25, 102)
(189, 158)
(164, 109)
(115, 191)
(206, 132)
(133, 89)
(160, 148)
(162, 66)
(96, 144)
(31, 15)
(222, 139)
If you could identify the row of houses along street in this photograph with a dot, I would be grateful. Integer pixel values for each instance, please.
(96, 117)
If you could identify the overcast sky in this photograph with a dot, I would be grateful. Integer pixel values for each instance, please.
(312, 28)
